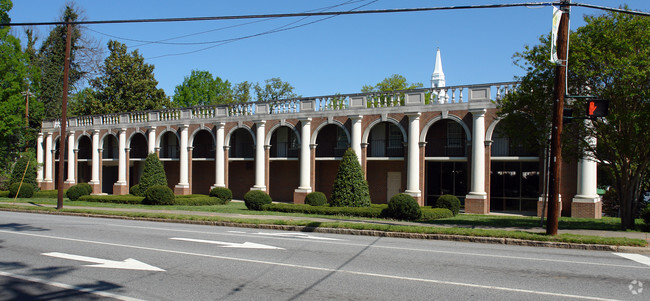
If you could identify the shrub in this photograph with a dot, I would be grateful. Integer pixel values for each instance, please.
(76, 191)
(198, 200)
(316, 199)
(4, 194)
(403, 206)
(350, 187)
(450, 202)
(373, 211)
(48, 194)
(135, 190)
(610, 203)
(645, 215)
(19, 170)
(223, 193)
(435, 213)
(158, 195)
(87, 187)
(153, 173)
(255, 199)
(26, 190)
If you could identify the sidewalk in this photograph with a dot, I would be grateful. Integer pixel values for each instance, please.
(601, 233)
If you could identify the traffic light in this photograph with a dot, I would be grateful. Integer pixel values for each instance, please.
(597, 108)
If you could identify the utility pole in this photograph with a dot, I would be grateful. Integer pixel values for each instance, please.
(27, 95)
(559, 91)
(64, 113)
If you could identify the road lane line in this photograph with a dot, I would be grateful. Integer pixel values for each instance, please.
(509, 257)
(290, 265)
(69, 287)
(635, 257)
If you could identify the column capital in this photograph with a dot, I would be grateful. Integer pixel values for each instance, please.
(40, 135)
(305, 119)
(364, 144)
(267, 147)
(151, 128)
(260, 122)
(219, 124)
(423, 144)
(183, 126)
(355, 117)
(95, 132)
(413, 115)
(313, 146)
(478, 112)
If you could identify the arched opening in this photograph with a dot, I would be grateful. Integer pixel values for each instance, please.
(241, 162)
(446, 161)
(110, 161)
(203, 152)
(84, 159)
(331, 143)
(139, 152)
(385, 161)
(170, 157)
(514, 174)
(284, 164)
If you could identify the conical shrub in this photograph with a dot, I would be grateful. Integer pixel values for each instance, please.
(153, 173)
(350, 187)
(19, 169)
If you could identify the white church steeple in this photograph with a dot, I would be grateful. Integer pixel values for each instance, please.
(438, 77)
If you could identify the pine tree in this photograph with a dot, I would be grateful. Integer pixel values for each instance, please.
(350, 187)
(152, 174)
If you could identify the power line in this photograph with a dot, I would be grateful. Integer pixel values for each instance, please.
(618, 10)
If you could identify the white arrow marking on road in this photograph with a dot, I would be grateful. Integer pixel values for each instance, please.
(297, 235)
(128, 264)
(636, 257)
(245, 245)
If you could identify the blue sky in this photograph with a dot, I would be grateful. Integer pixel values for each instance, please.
(336, 55)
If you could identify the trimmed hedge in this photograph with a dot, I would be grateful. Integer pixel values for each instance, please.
(222, 193)
(404, 207)
(26, 190)
(4, 194)
(316, 198)
(373, 211)
(195, 200)
(450, 202)
(255, 199)
(115, 199)
(429, 214)
(158, 195)
(48, 194)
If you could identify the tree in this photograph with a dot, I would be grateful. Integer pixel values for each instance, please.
(274, 89)
(153, 173)
(126, 84)
(200, 89)
(14, 136)
(394, 82)
(242, 92)
(609, 58)
(24, 170)
(350, 186)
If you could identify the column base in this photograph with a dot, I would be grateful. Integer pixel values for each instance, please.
(68, 184)
(182, 190)
(120, 189)
(587, 207)
(216, 185)
(97, 188)
(476, 204)
(47, 185)
(417, 195)
(299, 195)
(540, 206)
(262, 188)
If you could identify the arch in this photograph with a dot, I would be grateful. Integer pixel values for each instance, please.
(137, 131)
(243, 145)
(314, 136)
(201, 128)
(203, 143)
(366, 134)
(284, 142)
(170, 150)
(277, 126)
(490, 129)
(332, 140)
(162, 133)
(101, 138)
(243, 126)
(78, 138)
(110, 151)
(84, 146)
(138, 145)
(425, 129)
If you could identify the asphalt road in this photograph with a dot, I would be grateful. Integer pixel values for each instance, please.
(49, 257)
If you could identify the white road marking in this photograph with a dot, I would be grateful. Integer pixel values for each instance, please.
(68, 286)
(636, 257)
(289, 265)
(296, 235)
(509, 257)
(128, 264)
(245, 245)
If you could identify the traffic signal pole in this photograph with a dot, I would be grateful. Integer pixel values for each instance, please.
(559, 91)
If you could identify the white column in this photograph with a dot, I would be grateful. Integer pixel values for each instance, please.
(356, 135)
(184, 172)
(152, 140)
(259, 156)
(94, 178)
(587, 190)
(305, 156)
(48, 158)
(220, 165)
(71, 160)
(39, 158)
(121, 162)
(413, 173)
(477, 187)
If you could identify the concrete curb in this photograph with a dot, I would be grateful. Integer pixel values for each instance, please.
(447, 237)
